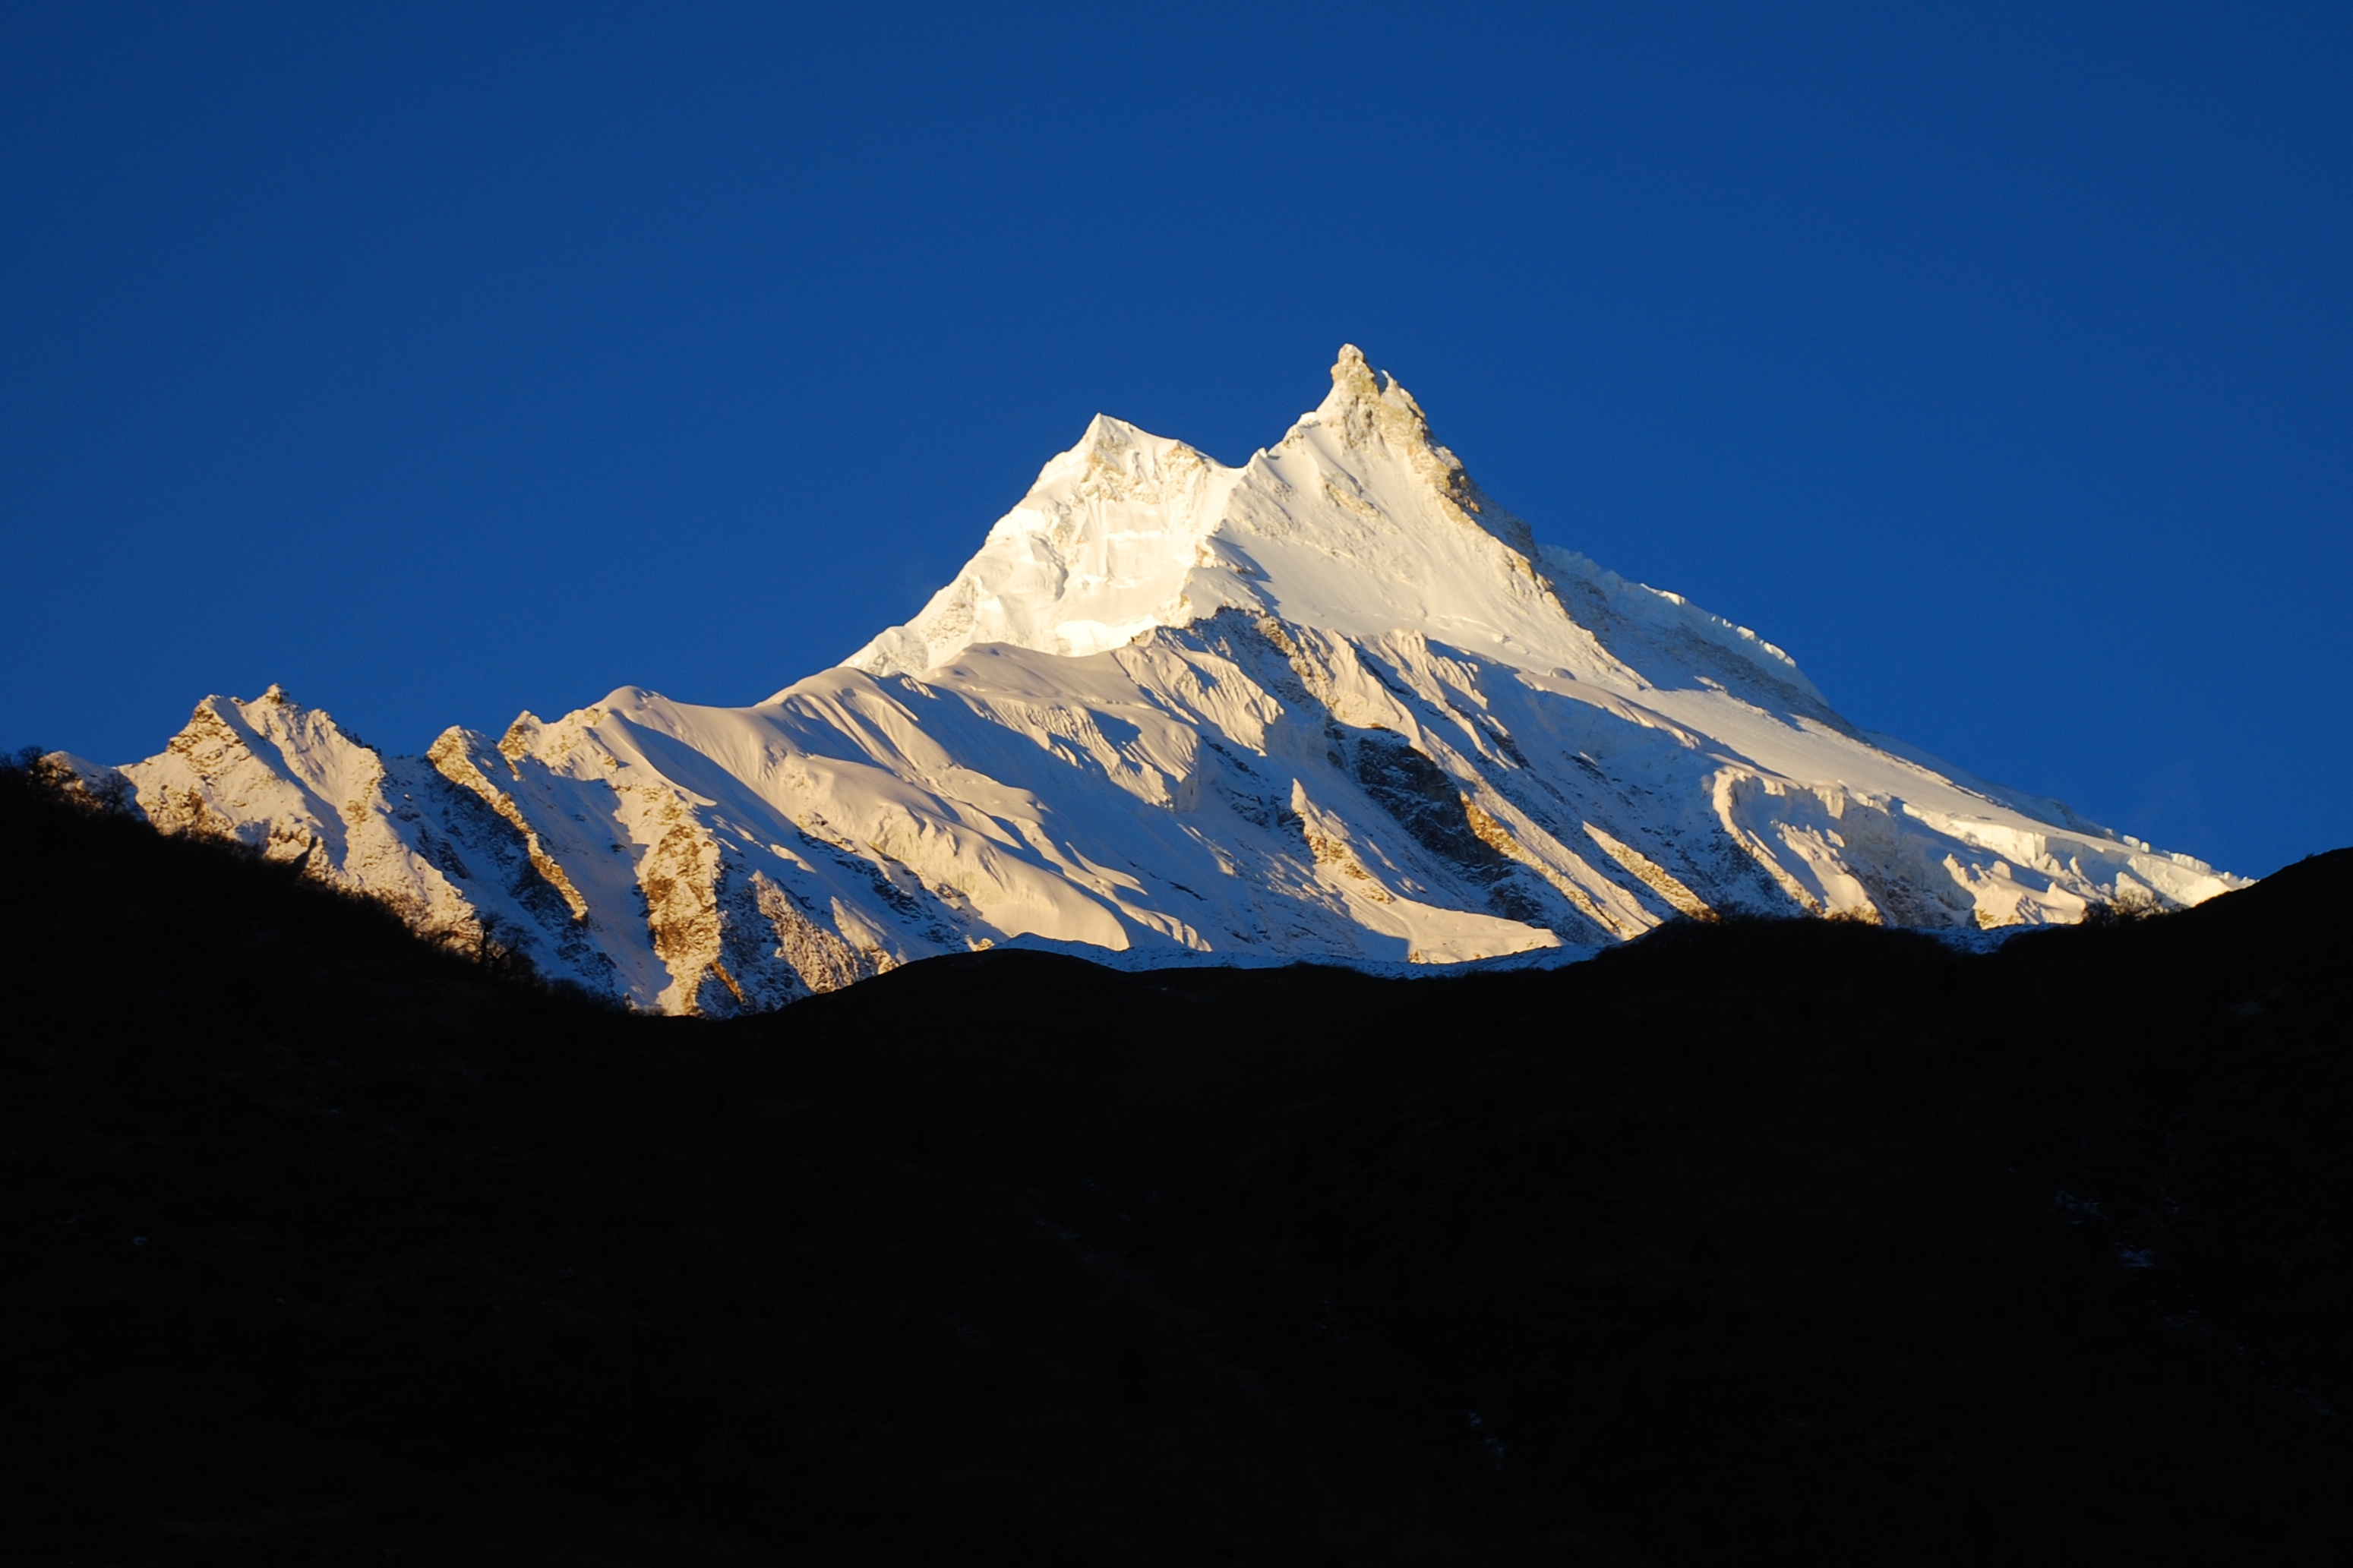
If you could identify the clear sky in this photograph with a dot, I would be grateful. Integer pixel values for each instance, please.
(443, 362)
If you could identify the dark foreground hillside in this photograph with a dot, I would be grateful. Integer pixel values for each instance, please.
(1800, 1242)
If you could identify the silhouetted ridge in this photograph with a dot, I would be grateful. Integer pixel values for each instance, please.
(1763, 1239)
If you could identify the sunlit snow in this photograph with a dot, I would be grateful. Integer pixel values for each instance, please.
(1334, 703)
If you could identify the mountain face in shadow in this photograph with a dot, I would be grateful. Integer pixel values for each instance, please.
(1785, 1240)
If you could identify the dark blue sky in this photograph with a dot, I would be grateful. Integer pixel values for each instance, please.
(439, 363)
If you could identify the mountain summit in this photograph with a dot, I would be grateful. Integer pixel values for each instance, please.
(1356, 523)
(1334, 703)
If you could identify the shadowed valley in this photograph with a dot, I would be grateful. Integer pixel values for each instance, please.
(1753, 1240)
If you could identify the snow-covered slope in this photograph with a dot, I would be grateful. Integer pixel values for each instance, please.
(1334, 703)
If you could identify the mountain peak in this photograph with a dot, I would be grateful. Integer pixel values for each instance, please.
(1334, 702)
(1367, 401)
(1127, 532)
(1353, 374)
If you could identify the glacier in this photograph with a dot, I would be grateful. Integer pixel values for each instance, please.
(1332, 704)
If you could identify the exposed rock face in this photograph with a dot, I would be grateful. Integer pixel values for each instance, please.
(1334, 703)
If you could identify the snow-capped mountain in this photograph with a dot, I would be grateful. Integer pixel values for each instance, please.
(1334, 703)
